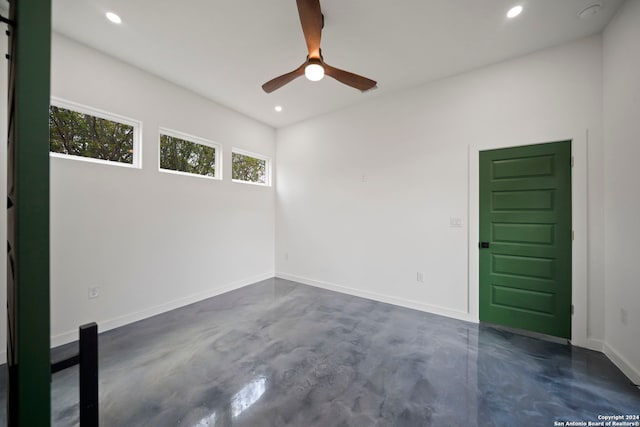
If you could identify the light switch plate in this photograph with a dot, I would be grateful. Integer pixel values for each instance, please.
(455, 222)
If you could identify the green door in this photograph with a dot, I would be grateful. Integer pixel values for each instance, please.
(525, 238)
(28, 360)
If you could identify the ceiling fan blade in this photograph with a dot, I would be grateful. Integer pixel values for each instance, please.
(311, 20)
(350, 79)
(282, 80)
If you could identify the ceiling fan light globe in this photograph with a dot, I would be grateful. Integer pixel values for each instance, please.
(314, 72)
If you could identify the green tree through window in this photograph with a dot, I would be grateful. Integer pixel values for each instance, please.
(84, 135)
(247, 168)
(185, 156)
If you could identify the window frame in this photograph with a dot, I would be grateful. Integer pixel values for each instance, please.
(136, 162)
(195, 140)
(268, 167)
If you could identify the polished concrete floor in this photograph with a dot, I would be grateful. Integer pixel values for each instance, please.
(278, 353)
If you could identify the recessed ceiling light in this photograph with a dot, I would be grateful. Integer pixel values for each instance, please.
(278, 108)
(113, 18)
(514, 11)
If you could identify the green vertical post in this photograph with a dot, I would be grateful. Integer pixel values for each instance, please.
(29, 391)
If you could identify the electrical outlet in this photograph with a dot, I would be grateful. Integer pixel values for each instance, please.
(623, 316)
(94, 292)
(420, 276)
(286, 256)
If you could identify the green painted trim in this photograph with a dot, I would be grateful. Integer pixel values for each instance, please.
(29, 362)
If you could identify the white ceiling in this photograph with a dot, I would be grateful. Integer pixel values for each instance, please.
(226, 49)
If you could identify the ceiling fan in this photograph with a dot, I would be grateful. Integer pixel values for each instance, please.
(314, 68)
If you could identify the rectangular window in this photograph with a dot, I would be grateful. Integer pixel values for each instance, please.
(182, 153)
(80, 132)
(250, 167)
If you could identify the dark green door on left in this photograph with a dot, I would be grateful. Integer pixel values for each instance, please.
(525, 238)
(28, 360)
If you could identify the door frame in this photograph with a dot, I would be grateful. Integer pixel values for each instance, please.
(579, 218)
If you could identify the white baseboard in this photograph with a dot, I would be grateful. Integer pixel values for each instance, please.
(623, 364)
(590, 344)
(108, 324)
(443, 311)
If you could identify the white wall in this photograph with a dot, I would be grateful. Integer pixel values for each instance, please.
(622, 197)
(150, 240)
(365, 195)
